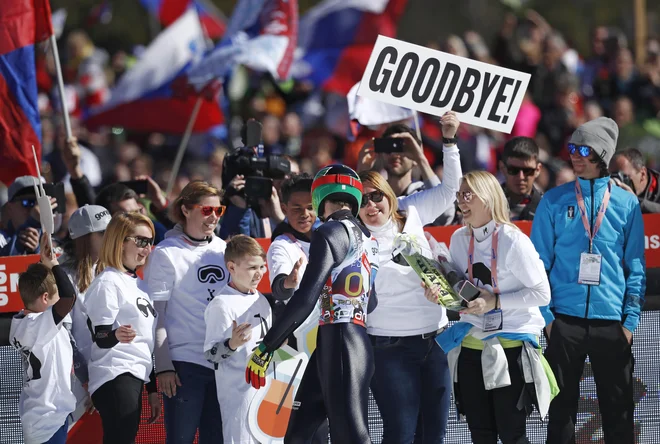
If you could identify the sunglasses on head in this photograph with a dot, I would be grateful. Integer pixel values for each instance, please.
(141, 242)
(207, 210)
(374, 196)
(515, 171)
(583, 150)
(466, 196)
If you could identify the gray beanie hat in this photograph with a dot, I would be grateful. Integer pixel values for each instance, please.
(600, 134)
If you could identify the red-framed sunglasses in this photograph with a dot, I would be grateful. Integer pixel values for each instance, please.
(207, 210)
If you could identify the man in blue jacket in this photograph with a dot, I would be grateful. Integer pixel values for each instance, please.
(590, 236)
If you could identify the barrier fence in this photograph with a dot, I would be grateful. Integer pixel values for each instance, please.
(646, 349)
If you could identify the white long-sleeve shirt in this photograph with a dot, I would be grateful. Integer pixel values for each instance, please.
(402, 309)
(522, 281)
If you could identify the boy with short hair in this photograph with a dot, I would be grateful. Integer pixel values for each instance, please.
(37, 332)
(287, 254)
(236, 321)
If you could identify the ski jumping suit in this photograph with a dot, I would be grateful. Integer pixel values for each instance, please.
(341, 271)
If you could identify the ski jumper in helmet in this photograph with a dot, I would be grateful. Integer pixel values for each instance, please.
(341, 271)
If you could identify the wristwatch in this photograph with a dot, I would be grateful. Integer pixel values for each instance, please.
(449, 140)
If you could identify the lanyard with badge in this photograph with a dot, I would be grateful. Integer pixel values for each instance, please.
(492, 319)
(590, 262)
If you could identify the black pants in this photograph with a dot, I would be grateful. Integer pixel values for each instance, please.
(612, 363)
(119, 403)
(492, 412)
(335, 386)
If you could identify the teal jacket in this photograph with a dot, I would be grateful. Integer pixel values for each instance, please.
(560, 238)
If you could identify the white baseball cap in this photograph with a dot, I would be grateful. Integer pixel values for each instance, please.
(88, 219)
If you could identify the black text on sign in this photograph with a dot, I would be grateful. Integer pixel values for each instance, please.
(434, 82)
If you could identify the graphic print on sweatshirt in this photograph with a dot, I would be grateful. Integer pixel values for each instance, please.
(31, 364)
(211, 274)
(145, 307)
(482, 275)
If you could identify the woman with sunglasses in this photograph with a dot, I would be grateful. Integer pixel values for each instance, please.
(495, 348)
(184, 273)
(123, 323)
(411, 382)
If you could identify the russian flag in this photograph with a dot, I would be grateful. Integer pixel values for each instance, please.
(336, 38)
(23, 23)
(262, 35)
(152, 95)
(168, 11)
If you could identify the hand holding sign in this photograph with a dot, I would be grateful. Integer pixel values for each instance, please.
(449, 122)
(46, 254)
(434, 82)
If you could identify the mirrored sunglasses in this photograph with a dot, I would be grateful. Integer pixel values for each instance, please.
(207, 210)
(583, 150)
(28, 203)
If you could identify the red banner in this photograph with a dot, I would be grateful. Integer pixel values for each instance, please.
(12, 266)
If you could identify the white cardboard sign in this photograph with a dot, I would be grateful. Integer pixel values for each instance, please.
(433, 82)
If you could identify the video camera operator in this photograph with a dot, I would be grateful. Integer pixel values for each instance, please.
(630, 172)
(253, 204)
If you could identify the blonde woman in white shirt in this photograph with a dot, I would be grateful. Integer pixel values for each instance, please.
(123, 321)
(497, 336)
(411, 381)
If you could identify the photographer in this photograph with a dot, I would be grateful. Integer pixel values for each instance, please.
(399, 166)
(630, 172)
(118, 197)
(253, 204)
(23, 228)
(257, 221)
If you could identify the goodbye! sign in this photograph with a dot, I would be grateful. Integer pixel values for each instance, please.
(433, 82)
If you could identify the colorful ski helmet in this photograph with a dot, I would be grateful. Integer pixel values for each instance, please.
(338, 182)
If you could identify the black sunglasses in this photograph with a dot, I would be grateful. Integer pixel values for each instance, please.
(141, 242)
(374, 196)
(515, 171)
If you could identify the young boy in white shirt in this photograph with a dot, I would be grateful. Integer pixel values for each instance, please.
(38, 333)
(236, 321)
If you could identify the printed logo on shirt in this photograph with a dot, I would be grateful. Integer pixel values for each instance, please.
(481, 273)
(264, 329)
(570, 213)
(31, 364)
(145, 307)
(211, 274)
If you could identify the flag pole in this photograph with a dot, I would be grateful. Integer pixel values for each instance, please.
(60, 85)
(183, 145)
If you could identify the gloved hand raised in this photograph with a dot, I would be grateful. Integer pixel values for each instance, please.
(255, 373)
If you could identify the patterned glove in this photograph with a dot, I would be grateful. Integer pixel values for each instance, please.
(255, 373)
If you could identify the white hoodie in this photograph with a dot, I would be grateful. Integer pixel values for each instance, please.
(402, 309)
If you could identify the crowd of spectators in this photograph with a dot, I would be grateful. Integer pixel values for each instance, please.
(310, 127)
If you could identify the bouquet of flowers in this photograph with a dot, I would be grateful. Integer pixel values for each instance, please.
(432, 272)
